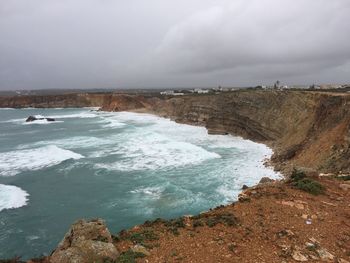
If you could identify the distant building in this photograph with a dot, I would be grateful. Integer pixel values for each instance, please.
(171, 93)
(201, 91)
(167, 92)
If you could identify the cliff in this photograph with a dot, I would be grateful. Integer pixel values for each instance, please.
(307, 129)
(54, 101)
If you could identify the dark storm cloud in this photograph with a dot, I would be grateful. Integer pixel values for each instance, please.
(105, 43)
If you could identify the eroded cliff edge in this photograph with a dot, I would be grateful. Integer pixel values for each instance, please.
(305, 129)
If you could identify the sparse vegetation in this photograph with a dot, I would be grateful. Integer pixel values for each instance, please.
(297, 175)
(174, 224)
(344, 178)
(310, 186)
(197, 223)
(141, 237)
(102, 239)
(129, 257)
(227, 219)
(301, 182)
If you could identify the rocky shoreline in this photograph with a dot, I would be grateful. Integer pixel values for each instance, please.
(271, 222)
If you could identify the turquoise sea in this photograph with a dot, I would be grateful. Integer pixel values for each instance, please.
(123, 167)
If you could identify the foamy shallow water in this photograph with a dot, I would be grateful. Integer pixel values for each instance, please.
(123, 167)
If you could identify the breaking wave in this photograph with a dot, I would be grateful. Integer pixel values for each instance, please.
(12, 197)
(14, 162)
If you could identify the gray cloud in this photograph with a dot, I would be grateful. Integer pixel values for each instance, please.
(163, 43)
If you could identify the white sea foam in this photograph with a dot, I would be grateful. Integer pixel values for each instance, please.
(14, 162)
(111, 123)
(152, 151)
(83, 114)
(12, 197)
(152, 192)
(71, 143)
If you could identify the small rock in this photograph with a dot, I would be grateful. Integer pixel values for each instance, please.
(298, 256)
(31, 118)
(265, 180)
(327, 203)
(242, 197)
(286, 232)
(324, 254)
(140, 249)
(325, 175)
(245, 187)
(310, 246)
(299, 206)
(288, 203)
(345, 187)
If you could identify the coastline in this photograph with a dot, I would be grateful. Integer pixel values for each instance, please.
(202, 131)
(266, 209)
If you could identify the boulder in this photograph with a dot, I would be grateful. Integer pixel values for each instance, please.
(86, 241)
(298, 256)
(31, 118)
(345, 187)
(140, 249)
(265, 180)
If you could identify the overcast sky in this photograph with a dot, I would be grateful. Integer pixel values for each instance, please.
(172, 43)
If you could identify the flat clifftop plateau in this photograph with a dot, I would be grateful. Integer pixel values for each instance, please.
(305, 129)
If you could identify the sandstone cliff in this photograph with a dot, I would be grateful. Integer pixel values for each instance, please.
(307, 129)
(54, 101)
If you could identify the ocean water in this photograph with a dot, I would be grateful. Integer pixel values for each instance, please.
(123, 167)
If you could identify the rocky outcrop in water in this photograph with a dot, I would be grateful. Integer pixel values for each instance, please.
(33, 118)
(86, 241)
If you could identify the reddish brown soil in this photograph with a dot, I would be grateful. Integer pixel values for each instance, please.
(268, 228)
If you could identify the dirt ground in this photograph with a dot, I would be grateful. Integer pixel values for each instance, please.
(272, 222)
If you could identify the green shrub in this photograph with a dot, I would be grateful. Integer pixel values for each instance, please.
(227, 219)
(197, 223)
(310, 186)
(140, 237)
(297, 175)
(301, 182)
(129, 256)
(344, 178)
(211, 222)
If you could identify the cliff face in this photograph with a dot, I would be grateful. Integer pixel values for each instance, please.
(54, 101)
(306, 129)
